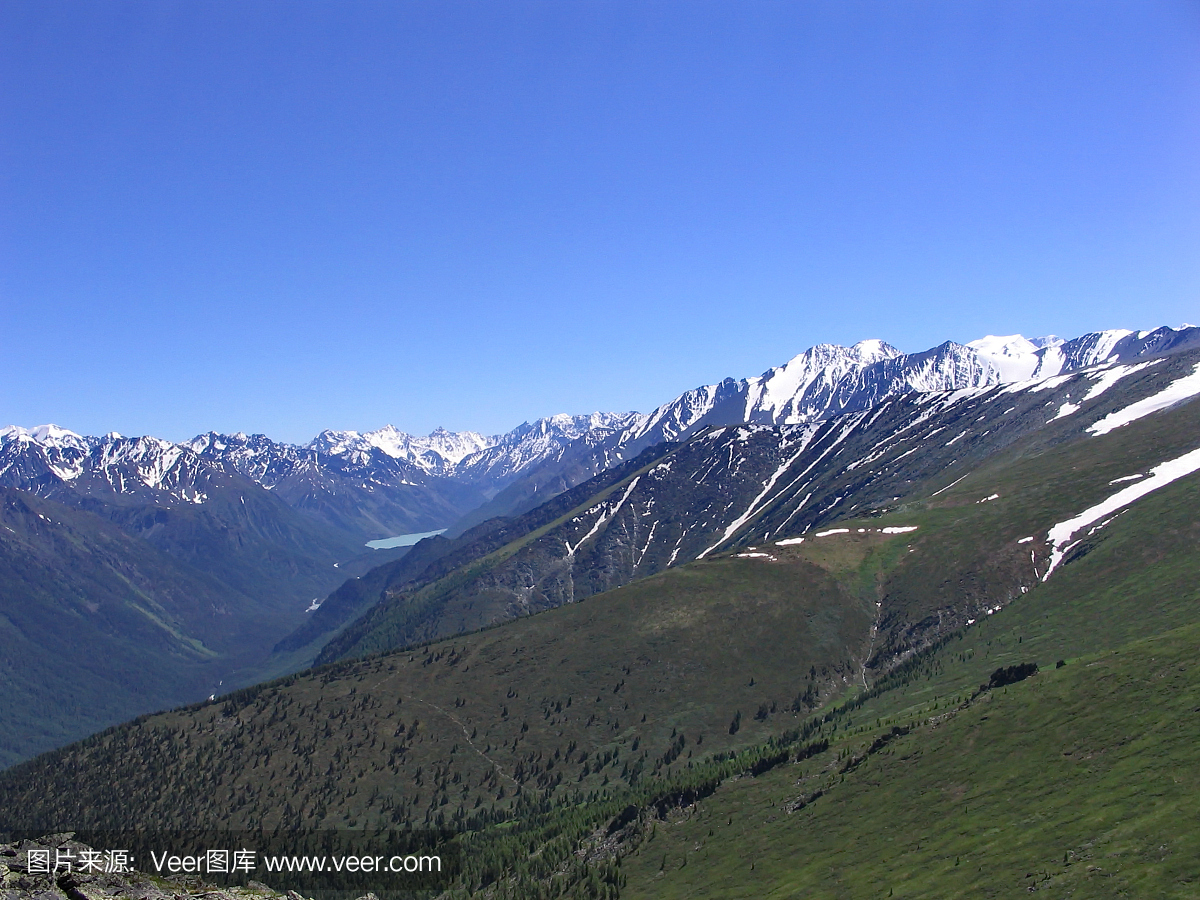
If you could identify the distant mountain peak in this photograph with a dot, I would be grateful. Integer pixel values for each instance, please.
(875, 349)
(42, 434)
(1049, 340)
(1007, 344)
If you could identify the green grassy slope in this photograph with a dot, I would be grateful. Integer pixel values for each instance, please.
(975, 779)
(1082, 781)
(1096, 760)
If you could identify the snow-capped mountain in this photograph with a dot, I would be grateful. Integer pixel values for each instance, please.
(52, 462)
(753, 485)
(436, 454)
(1015, 358)
(377, 483)
(829, 380)
(371, 485)
(535, 443)
(823, 381)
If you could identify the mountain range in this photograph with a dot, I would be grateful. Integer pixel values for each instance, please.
(380, 483)
(560, 509)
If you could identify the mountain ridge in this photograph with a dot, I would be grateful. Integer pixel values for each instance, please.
(452, 479)
(734, 485)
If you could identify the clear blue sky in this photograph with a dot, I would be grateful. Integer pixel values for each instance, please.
(286, 216)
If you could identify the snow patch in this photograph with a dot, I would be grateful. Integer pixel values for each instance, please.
(1013, 357)
(1106, 378)
(604, 516)
(1177, 391)
(1160, 476)
(947, 487)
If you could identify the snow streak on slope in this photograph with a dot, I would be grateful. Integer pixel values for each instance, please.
(606, 512)
(1106, 378)
(828, 380)
(1178, 390)
(756, 503)
(1160, 476)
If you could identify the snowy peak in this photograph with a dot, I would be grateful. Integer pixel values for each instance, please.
(873, 350)
(786, 393)
(830, 380)
(1008, 345)
(45, 435)
(1013, 357)
(254, 456)
(46, 459)
(435, 453)
(353, 470)
(545, 440)
(1049, 340)
(451, 446)
(566, 426)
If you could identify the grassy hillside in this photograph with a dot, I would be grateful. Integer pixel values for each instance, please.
(1082, 781)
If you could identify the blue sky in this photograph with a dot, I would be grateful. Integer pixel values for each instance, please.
(281, 217)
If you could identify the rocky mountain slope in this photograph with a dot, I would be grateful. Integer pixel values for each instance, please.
(739, 485)
(828, 380)
(366, 489)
